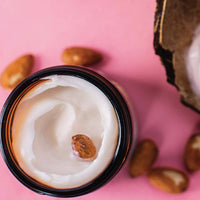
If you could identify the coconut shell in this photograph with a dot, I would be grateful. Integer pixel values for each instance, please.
(174, 25)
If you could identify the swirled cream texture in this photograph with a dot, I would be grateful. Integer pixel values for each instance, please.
(192, 62)
(47, 118)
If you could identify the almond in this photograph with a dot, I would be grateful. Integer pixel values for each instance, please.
(83, 147)
(192, 153)
(17, 71)
(168, 179)
(143, 157)
(80, 56)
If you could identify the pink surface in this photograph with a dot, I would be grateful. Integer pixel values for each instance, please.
(123, 32)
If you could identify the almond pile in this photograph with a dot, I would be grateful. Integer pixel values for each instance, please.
(165, 178)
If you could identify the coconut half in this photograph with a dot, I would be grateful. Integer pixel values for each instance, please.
(174, 27)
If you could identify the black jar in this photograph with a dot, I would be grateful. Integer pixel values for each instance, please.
(126, 135)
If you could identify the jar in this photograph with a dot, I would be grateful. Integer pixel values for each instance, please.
(125, 127)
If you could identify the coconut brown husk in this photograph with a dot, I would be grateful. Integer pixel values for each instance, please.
(175, 22)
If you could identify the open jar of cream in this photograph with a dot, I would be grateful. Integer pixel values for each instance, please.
(65, 131)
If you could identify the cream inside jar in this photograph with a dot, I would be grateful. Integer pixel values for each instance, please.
(47, 118)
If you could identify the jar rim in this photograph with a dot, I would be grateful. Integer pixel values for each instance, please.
(125, 130)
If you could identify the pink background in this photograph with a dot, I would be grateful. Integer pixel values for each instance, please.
(123, 32)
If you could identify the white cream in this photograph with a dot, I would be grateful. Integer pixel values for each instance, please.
(192, 60)
(47, 118)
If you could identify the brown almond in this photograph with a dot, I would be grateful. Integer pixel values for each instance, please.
(80, 56)
(83, 147)
(168, 179)
(143, 157)
(17, 71)
(192, 153)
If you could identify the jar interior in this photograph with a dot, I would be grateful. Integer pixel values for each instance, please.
(124, 143)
